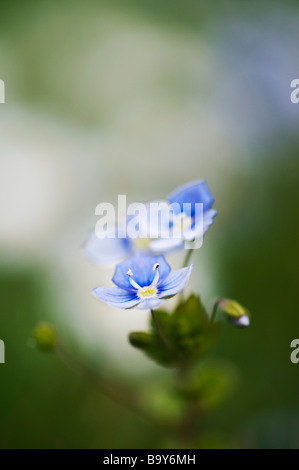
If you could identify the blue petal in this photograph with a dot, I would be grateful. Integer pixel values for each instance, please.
(208, 219)
(116, 297)
(199, 229)
(196, 191)
(141, 266)
(175, 282)
(149, 304)
(106, 250)
(153, 221)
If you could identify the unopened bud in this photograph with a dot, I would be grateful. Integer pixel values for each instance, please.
(44, 337)
(236, 314)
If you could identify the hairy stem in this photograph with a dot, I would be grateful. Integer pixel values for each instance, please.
(115, 391)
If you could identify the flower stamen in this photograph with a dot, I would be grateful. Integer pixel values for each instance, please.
(132, 282)
(146, 291)
(156, 278)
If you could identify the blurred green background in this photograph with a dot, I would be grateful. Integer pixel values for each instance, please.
(137, 97)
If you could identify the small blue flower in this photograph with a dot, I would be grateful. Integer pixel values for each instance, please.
(108, 251)
(184, 199)
(143, 281)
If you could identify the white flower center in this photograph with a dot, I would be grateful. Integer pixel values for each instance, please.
(181, 223)
(146, 291)
(141, 244)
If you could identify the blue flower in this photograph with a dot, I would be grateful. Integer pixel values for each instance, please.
(113, 250)
(184, 200)
(143, 281)
(107, 251)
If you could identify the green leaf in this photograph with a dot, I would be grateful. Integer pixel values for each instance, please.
(187, 329)
(140, 339)
(192, 332)
(152, 346)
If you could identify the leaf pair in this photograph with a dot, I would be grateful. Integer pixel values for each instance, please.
(187, 329)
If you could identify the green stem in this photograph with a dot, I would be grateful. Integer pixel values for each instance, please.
(114, 391)
(214, 311)
(187, 257)
(185, 264)
(163, 338)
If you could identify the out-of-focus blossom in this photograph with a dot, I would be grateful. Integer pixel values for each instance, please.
(185, 224)
(162, 227)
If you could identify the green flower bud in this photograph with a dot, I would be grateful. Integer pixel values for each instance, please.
(44, 337)
(236, 314)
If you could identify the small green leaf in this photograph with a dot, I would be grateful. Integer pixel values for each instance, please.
(140, 339)
(193, 334)
(153, 347)
(187, 330)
